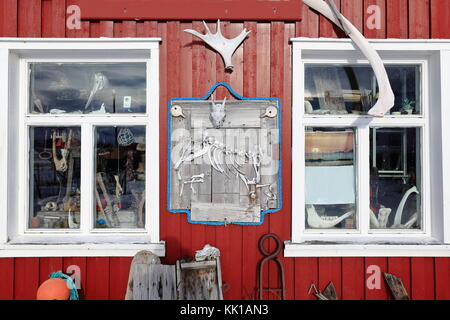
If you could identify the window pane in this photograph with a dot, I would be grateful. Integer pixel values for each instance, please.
(55, 177)
(94, 88)
(395, 182)
(120, 177)
(330, 176)
(353, 89)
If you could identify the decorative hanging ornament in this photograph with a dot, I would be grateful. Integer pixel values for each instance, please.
(225, 47)
(125, 137)
(386, 98)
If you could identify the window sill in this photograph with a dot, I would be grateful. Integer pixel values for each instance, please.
(20, 248)
(336, 249)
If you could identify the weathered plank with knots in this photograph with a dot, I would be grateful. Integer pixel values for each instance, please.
(154, 282)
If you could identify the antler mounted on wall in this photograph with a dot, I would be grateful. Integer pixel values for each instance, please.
(226, 47)
(386, 96)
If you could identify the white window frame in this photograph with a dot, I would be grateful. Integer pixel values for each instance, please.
(16, 239)
(434, 237)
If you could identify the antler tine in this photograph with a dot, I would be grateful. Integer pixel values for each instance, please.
(218, 27)
(196, 33)
(223, 103)
(206, 28)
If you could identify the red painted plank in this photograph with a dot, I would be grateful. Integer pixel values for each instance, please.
(26, 278)
(250, 57)
(440, 23)
(49, 265)
(263, 89)
(371, 31)
(401, 267)
(147, 29)
(54, 18)
(83, 32)
(203, 66)
(442, 267)
(129, 29)
(118, 277)
(284, 214)
(106, 29)
(173, 90)
(353, 278)
(309, 25)
(8, 18)
(97, 278)
(118, 26)
(185, 91)
(353, 11)
(419, 18)
(29, 18)
(422, 278)
(7, 278)
(330, 270)
(381, 292)
(397, 16)
(306, 273)
(327, 28)
(95, 29)
(288, 10)
(77, 263)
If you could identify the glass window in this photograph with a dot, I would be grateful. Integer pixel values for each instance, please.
(55, 187)
(330, 180)
(352, 89)
(395, 180)
(120, 177)
(92, 88)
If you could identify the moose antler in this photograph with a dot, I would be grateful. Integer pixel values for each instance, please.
(386, 97)
(226, 47)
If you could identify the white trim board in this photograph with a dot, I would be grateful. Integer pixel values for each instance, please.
(365, 250)
(79, 250)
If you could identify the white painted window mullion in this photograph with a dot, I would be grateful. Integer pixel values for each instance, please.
(363, 178)
(298, 147)
(87, 178)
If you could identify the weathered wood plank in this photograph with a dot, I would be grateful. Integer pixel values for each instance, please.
(161, 282)
(224, 212)
(141, 283)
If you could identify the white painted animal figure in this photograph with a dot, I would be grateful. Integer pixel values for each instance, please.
(218, 114)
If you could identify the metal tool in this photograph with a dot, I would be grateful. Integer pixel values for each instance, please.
(271, 256)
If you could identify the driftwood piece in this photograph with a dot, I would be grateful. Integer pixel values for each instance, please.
(396, 287)
(142, 257)
(330, 292)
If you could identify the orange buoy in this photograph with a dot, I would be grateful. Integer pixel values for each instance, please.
(53, 289)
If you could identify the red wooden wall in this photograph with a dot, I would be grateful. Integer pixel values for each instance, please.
(262, 68)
